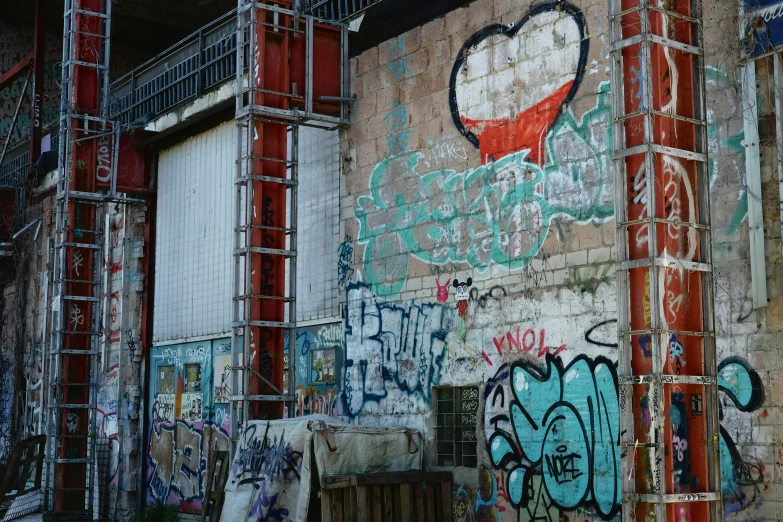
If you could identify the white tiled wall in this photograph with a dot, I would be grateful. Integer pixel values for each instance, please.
(319, 224)
(194, 235)
(194, 227)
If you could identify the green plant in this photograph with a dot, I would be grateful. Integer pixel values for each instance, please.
(160, 513)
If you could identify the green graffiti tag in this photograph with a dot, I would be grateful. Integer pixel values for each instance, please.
(499, 213)
(722, 150)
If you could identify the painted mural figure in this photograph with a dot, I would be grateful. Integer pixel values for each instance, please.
(555, 431)
(462, 295)
(565, 45)
(443, 290)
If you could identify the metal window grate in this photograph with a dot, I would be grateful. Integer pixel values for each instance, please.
(457, 416)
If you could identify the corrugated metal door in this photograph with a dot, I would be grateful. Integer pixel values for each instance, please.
(194, 236)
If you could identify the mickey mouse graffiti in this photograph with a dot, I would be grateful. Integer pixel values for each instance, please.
(462, 294)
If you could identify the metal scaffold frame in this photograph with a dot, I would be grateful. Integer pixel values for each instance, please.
(270, 107)
(647, 161)
(89, 146)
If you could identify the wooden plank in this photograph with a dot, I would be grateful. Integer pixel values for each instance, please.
(350, 504)
(397, 501)
(405, 502)
(430, 489)
(337, 501)
(376, 504)
(400, 477)
(448, 501)
(326, 505)
(436, 500)
(388, 504)
(208, 488)
(335, 481)
(418, 491)
(222, 479)
(362, 509)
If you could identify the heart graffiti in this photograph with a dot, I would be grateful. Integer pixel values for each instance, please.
(510, 82)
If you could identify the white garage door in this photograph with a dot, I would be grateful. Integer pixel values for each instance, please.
(194, 236)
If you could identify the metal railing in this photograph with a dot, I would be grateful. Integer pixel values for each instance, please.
(185, 71)
(198, 63)
(337, 10)
(16, 166)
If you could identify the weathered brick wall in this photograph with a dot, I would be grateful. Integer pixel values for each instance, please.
(751, 455)
(524, 209)
(525, 216)
(25, 338)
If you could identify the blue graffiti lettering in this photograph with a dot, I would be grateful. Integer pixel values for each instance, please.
(391, 348)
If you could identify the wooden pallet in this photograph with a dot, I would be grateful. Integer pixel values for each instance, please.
(26, 453)
(410, 496)
(215, 486)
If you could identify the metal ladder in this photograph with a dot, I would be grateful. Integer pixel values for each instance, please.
(661, 359)
(264, 250)
(270, 107)
(76, 320)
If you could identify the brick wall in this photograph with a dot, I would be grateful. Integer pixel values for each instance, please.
(479, 153)
(449, 174)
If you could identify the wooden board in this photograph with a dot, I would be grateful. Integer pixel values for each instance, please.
(387, 497)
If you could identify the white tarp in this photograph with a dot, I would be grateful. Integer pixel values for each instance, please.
(271, 474)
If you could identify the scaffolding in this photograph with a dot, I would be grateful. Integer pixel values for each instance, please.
(273, 99)
(666, 339)
(86, 182)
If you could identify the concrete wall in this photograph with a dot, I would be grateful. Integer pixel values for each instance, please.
(491, 168)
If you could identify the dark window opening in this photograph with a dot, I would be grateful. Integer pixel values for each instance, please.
(456, 436)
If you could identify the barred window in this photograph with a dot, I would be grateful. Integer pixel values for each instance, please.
(457, 412)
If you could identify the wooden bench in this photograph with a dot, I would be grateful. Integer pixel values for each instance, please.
(410, 496)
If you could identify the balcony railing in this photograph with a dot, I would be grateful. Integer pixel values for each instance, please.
(337, 10)
(16, 164)
(199, 63)
(183, 72)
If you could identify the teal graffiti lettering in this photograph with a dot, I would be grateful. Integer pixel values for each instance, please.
(499, 213)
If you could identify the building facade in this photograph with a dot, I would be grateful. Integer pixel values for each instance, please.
(457, 266)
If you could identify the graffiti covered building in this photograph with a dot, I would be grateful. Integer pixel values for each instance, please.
(457, 269)
(482, 308)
